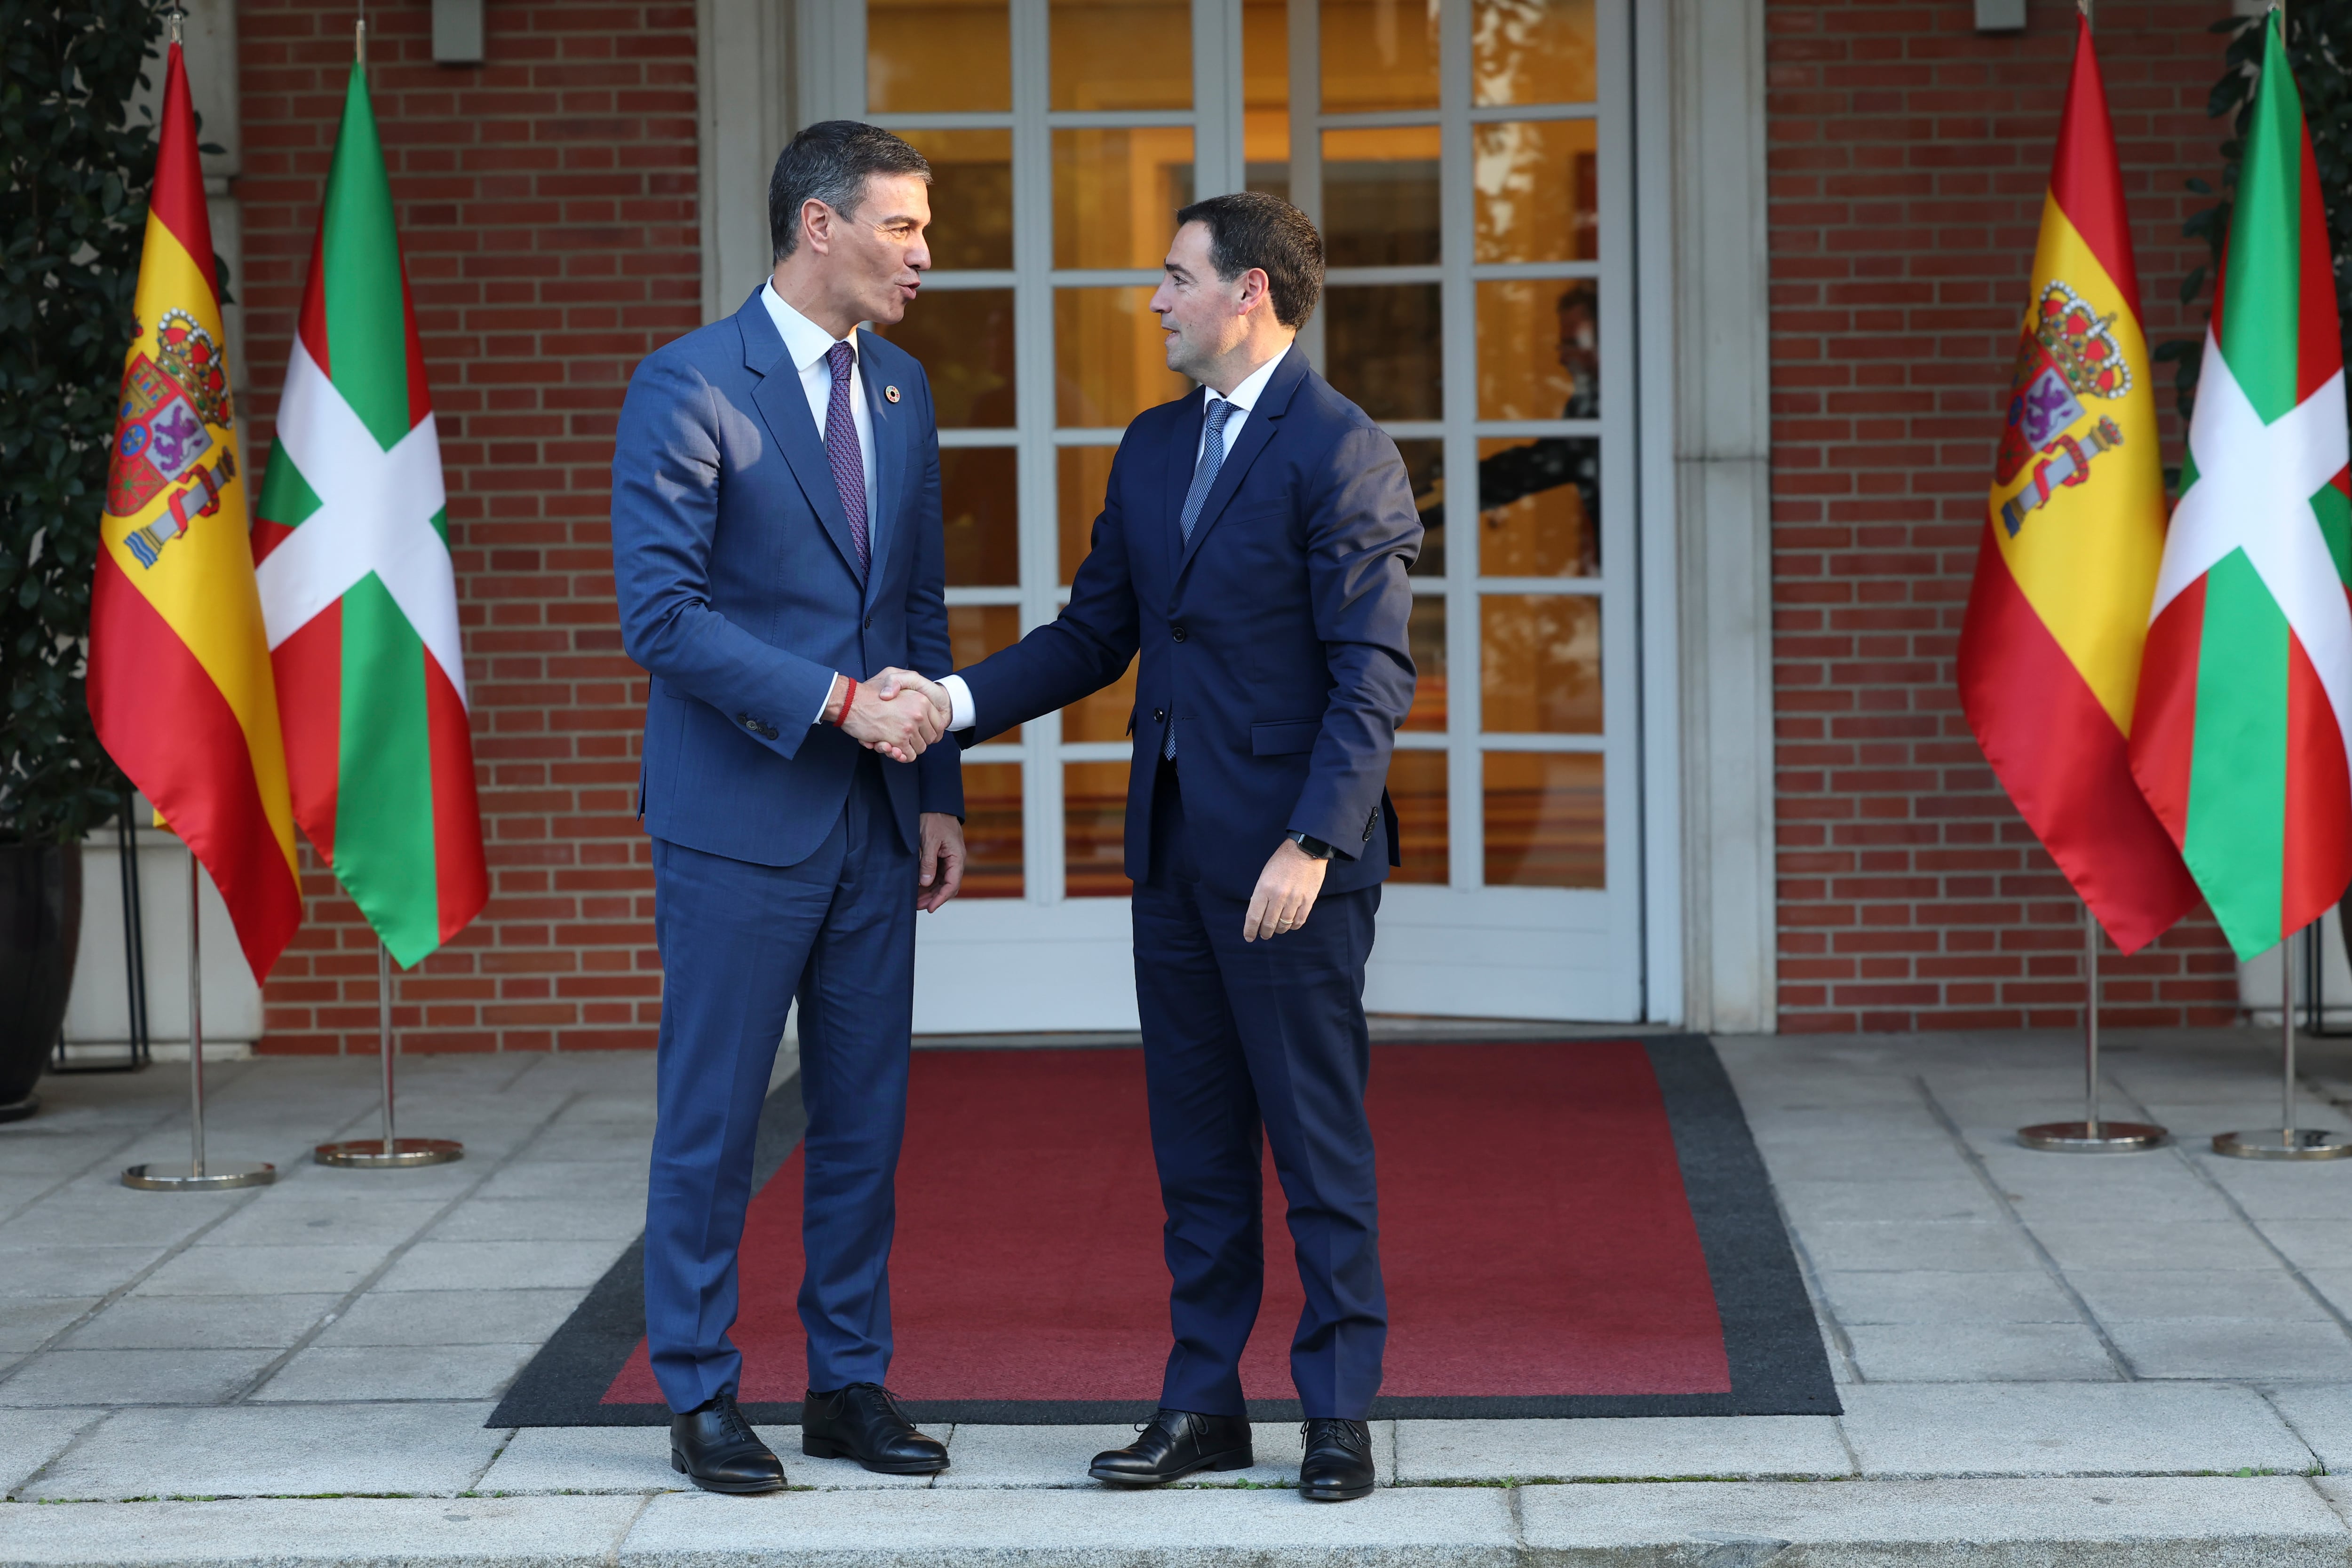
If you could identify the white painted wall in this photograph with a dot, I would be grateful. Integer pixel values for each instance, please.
(97, 1013)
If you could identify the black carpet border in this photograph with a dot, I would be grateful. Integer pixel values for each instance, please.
(1779, 1367)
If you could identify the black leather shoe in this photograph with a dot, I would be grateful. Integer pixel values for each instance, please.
(718, 1450)
(862, 1422)
(1172, 1445)
(1338, 1466)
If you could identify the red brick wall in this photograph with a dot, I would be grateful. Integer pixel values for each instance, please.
(1907, 158)
(547, 210)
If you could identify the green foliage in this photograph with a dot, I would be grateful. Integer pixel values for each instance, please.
(71, 223)
(2319, 49)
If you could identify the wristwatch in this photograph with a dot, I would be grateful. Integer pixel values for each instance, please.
(1317, 849)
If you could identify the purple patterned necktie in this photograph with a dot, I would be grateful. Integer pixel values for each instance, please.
(842, 450)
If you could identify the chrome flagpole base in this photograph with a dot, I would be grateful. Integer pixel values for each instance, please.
(2288, 1143)
(218, 1175)
(375, 1154)
(2092, 1138)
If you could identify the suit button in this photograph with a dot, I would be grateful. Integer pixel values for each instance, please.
(869, 623)
(1159, 715)
(1180, 634)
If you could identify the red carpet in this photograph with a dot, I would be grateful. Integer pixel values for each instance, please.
(1534, 1235)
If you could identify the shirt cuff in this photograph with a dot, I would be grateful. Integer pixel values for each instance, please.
(822, 701)
(960, 711)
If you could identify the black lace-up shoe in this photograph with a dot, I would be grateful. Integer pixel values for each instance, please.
(862, 1422)
(716, 1449)
(1172, 1445)
(1338, 1466)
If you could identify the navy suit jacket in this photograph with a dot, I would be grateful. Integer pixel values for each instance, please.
(741, 595)
(1275, 639)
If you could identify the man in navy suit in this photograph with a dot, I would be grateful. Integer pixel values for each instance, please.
(776, 541)
(1252, 545)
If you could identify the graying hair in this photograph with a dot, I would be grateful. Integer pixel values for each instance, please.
(829, 162)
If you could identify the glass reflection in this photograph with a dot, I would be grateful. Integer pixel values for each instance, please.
(1094, 830)
(980, 504)
(976, 630)
(1265, 96)
(926, 56)
(1424, 467)
(964, 338)
(1540, 505)
(991, 830)
(1109, 359)
(1121, 54)
(1381, 349)
(1104, 715)
(1425, 637)
(1539, 663)
(1380, 196)
(1539, 350)
(1537, 184)
(1417, 786)
(1531, 51)
(1081, 480)
(1115, 194)
(1379, 54)
(971, 197)
(1547, 819)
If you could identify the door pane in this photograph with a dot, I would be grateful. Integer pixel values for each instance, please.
(931, 57)
(1380, 196)
(1539, 663)
(1094, 830)
(1379, 54)
(1545, 815)
(964, 338)
(979, 499)
(1121, 54)
(1538, 349)
(1417, 789)
(976, 630)
(991, 830)
(1531, 51)
(1380, 346)
(1425, 636)
(1115, 194)
(1540, 504)
(971, 197)
(1104, 714)
(1265, 96)
(1082, 477)
(1109, 358)
(1537, 184)
(1424, 467)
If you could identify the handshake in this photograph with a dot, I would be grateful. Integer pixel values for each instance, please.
(898, 713)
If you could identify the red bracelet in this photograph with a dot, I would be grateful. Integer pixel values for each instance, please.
(847, 697)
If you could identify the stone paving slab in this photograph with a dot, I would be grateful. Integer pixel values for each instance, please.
(247, 1451)
(510, 1533)
(1636, 1447)
(2091, 1428)
(338, 1373)
(31, 1438)
(86, 1377)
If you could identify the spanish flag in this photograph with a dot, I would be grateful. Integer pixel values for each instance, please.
(179, 676)
(2073, 535)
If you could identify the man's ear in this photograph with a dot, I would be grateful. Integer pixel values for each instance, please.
(816, 225)
(1256, 290)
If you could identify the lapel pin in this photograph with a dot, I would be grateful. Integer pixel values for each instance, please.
(890, 393)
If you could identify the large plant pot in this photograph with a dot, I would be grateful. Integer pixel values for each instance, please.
(40, 931)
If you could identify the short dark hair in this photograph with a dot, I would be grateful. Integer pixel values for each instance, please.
(1250, 228)
(829, 162)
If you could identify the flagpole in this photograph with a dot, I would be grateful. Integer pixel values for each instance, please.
(390, 1151)
(2090, 1135)
(2290, 1142)
(200, 1176)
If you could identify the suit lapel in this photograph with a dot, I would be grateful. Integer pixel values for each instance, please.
(785, 406)
(889, 427)
(1256, 431)
(1182, 448)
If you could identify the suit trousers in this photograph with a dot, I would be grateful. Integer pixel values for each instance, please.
(1243, 1039)
(739, 942)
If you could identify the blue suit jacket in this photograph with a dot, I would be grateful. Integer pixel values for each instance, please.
(1277, 639)
(741, 595)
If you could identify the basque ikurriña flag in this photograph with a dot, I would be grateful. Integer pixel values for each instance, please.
(2073, 533)
(2245, 706)
(356, 581)
(179, 680)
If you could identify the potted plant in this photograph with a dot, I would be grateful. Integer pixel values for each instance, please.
(72, 220)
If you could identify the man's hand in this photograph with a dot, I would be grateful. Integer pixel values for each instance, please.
(898, 726)
(1286, 893)
(942, 859)
(890, 682)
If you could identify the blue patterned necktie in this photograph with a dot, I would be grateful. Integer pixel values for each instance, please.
(842, 450)
(1204, 476)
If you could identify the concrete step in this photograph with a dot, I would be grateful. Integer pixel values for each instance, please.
(2273, 1521)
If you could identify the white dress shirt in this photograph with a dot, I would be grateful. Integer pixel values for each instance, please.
(1244, 398)
(807, 344)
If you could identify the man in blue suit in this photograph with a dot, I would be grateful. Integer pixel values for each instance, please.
(776, 542)
(1252, 545)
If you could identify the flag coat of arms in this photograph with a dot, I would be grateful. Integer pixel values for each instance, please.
(352, 545)
(179, 676)
(2073, 535)
(2245, 707)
